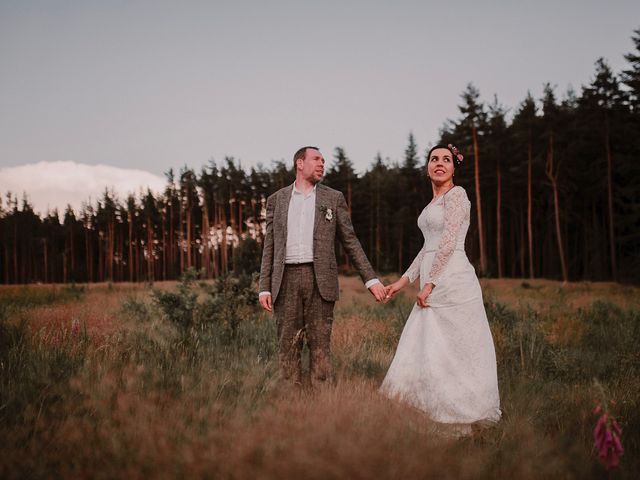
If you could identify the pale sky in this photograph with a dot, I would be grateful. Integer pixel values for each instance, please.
(151, 85)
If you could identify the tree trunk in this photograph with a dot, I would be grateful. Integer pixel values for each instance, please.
(612, 237)
(64, 266)
(110, 248)
(130, 218)
(46, 260)
(241, 204)
(552, 175)
(205, 239)
(15, 252)
(530, 206)
(346, 257)
(372, 209)
(181, 245)
(483, 255)
(232, 219)
(521, 248)
(400, 269)
(216, 251)
(121, 274)
(499, 222)
(172, 258)
(137, 255)
(87, 253)
(378, 226)
(223, 246)
(150, 259)
(6, 264)
(164, 243)
(100, 257)
(586, 246)
(188, 226)
(73, 255)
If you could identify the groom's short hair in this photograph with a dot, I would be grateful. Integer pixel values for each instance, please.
(301, 153)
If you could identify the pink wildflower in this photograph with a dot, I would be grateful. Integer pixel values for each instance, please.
(607, 441)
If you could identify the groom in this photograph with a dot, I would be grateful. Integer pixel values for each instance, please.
(299, 273)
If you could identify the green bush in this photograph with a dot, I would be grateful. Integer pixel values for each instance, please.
(195, 307)
(228, 302)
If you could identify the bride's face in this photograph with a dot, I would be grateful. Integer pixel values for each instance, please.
(440, 165)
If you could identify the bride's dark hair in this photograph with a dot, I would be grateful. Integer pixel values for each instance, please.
(456, 162)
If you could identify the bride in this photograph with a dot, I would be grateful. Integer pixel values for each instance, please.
(445, 363)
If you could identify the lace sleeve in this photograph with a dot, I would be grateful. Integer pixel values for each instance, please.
(456, 206)
(413, 271)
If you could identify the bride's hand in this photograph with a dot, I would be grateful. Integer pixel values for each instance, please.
(424, 295)
(391, 290)
(394, 288)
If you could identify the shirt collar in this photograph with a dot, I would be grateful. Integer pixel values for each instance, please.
(295, 190)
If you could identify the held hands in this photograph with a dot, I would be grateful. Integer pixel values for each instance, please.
(395, 287)
(378, 291)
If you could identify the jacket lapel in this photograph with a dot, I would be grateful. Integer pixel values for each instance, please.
(283, 212)
(321, 200)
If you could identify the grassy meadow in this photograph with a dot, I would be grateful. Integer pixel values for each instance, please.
(180, 381)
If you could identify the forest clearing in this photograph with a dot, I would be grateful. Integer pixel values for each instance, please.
(180, 380)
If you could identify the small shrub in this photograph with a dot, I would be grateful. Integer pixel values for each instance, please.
(135, 309)
(179, 307)
(227, 301)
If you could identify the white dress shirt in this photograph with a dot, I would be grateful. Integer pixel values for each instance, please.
(300, 222)
(300, 219)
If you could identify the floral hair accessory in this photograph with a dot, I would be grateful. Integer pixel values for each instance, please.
(457, 154)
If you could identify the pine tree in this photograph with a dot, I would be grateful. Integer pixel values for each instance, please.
(552, 168)
(524, 124)
(69, 224)
(342, 176)
(631, 76)
(604, 97)
(498, 139)
(150, 216)
(474, 121)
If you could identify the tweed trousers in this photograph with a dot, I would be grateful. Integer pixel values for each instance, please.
(301, 313)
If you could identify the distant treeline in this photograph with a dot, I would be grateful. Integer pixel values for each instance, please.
(555, 192)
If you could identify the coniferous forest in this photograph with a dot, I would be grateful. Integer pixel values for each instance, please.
(553, 183)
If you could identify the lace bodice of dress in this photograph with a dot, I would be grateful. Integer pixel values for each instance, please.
(444, 224)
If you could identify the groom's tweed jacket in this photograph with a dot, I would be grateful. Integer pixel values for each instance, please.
(324, 235)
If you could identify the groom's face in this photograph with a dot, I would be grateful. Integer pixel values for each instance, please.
(312, 166)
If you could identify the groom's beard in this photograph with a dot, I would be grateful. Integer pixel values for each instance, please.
(314, 179)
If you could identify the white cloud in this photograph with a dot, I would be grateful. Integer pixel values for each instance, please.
(55, 184)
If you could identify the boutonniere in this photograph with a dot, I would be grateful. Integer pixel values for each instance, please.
(328, 213)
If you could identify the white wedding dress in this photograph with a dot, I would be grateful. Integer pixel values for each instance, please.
(445, 363)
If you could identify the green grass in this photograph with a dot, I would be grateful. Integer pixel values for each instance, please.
(16, 298)
(179, 392)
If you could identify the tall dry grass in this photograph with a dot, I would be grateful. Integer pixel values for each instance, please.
(132, 394)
